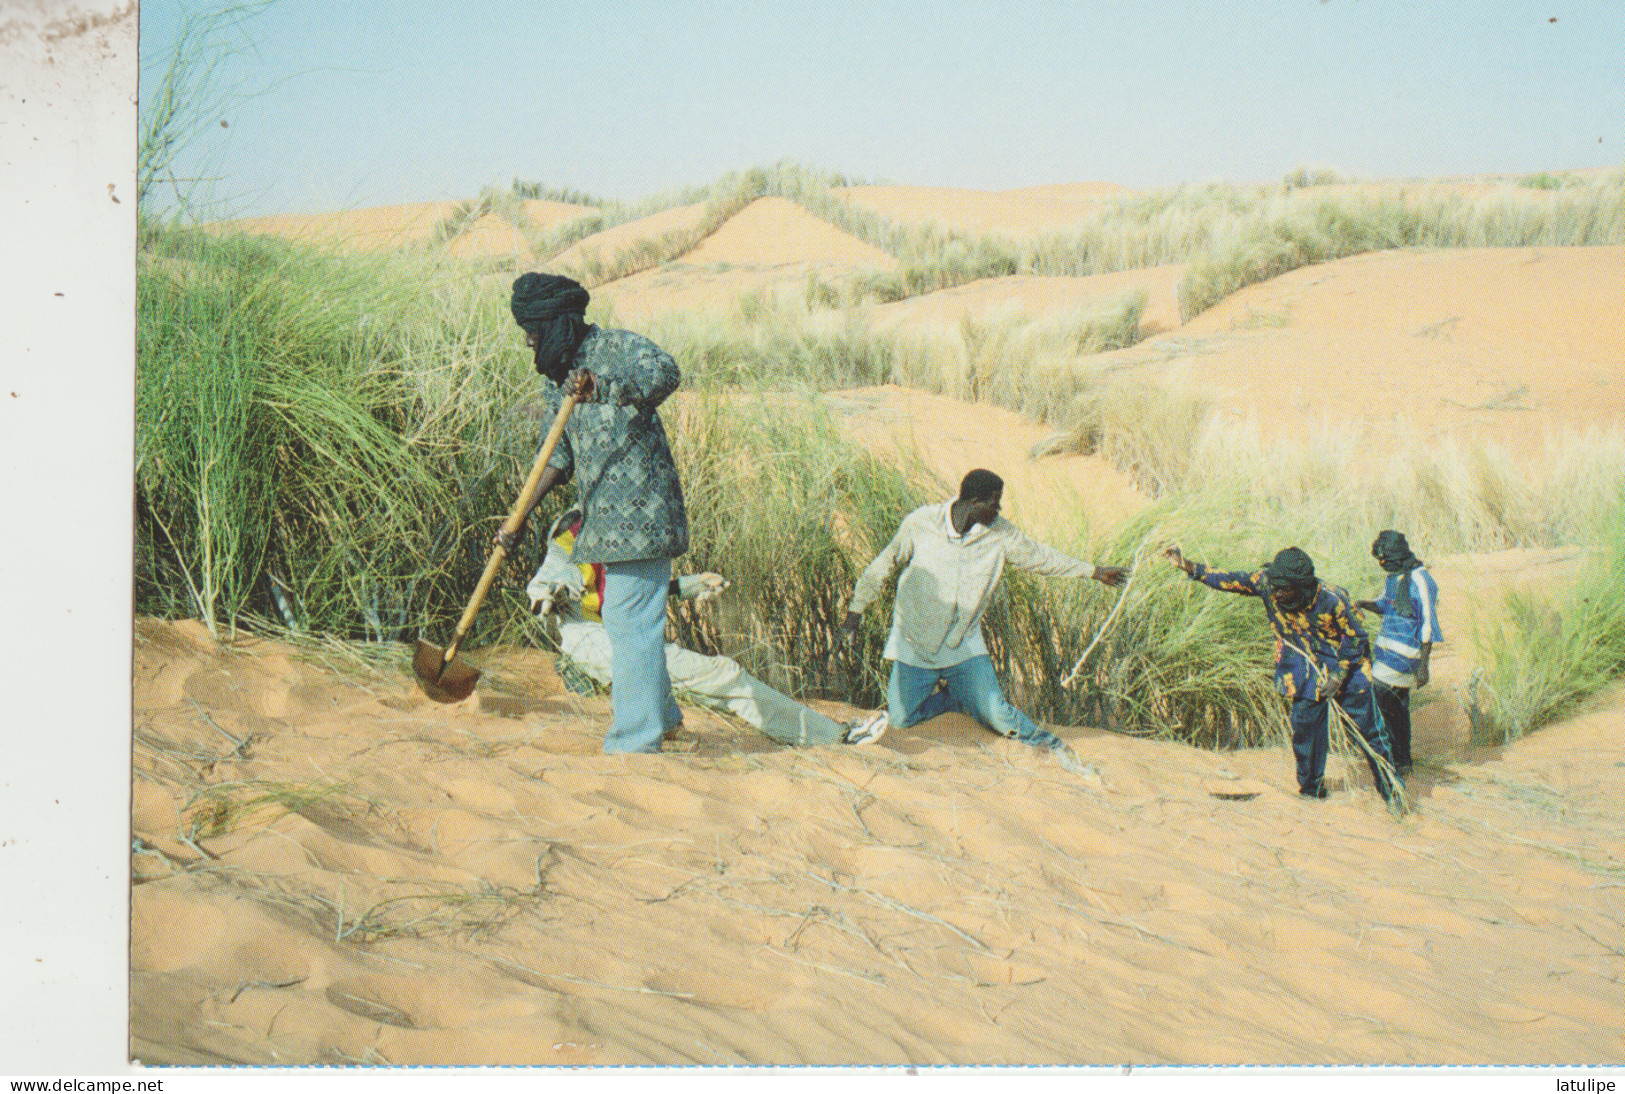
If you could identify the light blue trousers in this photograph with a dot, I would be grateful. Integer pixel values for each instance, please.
(634, 614)
(973, 689)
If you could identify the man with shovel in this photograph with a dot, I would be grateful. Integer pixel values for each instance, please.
(633, 520)
(1322, 659)
(952, 554)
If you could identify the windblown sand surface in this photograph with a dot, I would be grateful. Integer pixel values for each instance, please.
(477, 883)
(1514, 344)
(1037, 299)
(372, 877)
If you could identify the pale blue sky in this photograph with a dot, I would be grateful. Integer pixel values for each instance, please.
(378, 101)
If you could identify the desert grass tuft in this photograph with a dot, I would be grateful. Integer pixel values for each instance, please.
(217, 809)
(1307, 228)
(789, 511)
(1553, 652)
(319, 435)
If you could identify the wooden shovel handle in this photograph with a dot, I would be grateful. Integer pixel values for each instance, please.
(511, 525)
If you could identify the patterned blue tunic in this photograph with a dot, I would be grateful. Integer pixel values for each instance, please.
(615, 448)
(1313, 647)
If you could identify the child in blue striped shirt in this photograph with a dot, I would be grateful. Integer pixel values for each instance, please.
(1410, 626)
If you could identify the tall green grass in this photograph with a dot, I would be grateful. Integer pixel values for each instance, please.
(1554, 652)
(326, 441)
(315, 436)
(790, 511)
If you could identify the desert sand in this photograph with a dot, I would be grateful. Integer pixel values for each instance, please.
(375, 878)
(1012, 213)
(1517, 344)
(771, 247)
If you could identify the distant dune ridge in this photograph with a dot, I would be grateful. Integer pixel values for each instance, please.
(330, 868)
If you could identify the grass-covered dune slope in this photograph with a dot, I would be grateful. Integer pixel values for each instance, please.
(334, 413)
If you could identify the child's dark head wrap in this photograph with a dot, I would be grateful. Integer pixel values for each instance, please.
(551, 309)
(1394, 555)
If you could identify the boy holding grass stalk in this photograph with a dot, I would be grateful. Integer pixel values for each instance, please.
(1322, 660)
(574, 595)
(633, 520)
(952, 554)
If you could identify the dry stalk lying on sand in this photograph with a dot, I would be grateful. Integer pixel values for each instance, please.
(899, 906)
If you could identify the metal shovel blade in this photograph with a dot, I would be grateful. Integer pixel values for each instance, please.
(443, 681)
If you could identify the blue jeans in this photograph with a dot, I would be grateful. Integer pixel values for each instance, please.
(1311, 728)
(634, 614)
(973, 689)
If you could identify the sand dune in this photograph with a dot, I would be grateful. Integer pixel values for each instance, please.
(476, 884)
(1037, 298)
(775, 232)
(772, 246)
(330, 868)
(1509, 343)
(605, 246)
(985, 212)
(494, 236)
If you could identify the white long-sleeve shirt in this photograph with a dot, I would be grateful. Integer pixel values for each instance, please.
(948, 581)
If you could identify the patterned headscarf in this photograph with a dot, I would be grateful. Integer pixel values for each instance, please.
(550, 308)
(1394, 555)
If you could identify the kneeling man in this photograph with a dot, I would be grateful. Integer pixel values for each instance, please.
(952, 554)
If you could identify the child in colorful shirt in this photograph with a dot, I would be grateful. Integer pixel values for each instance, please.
(1321, 658)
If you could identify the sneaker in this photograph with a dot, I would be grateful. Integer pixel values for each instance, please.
(1070, 762)
(868, 731)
